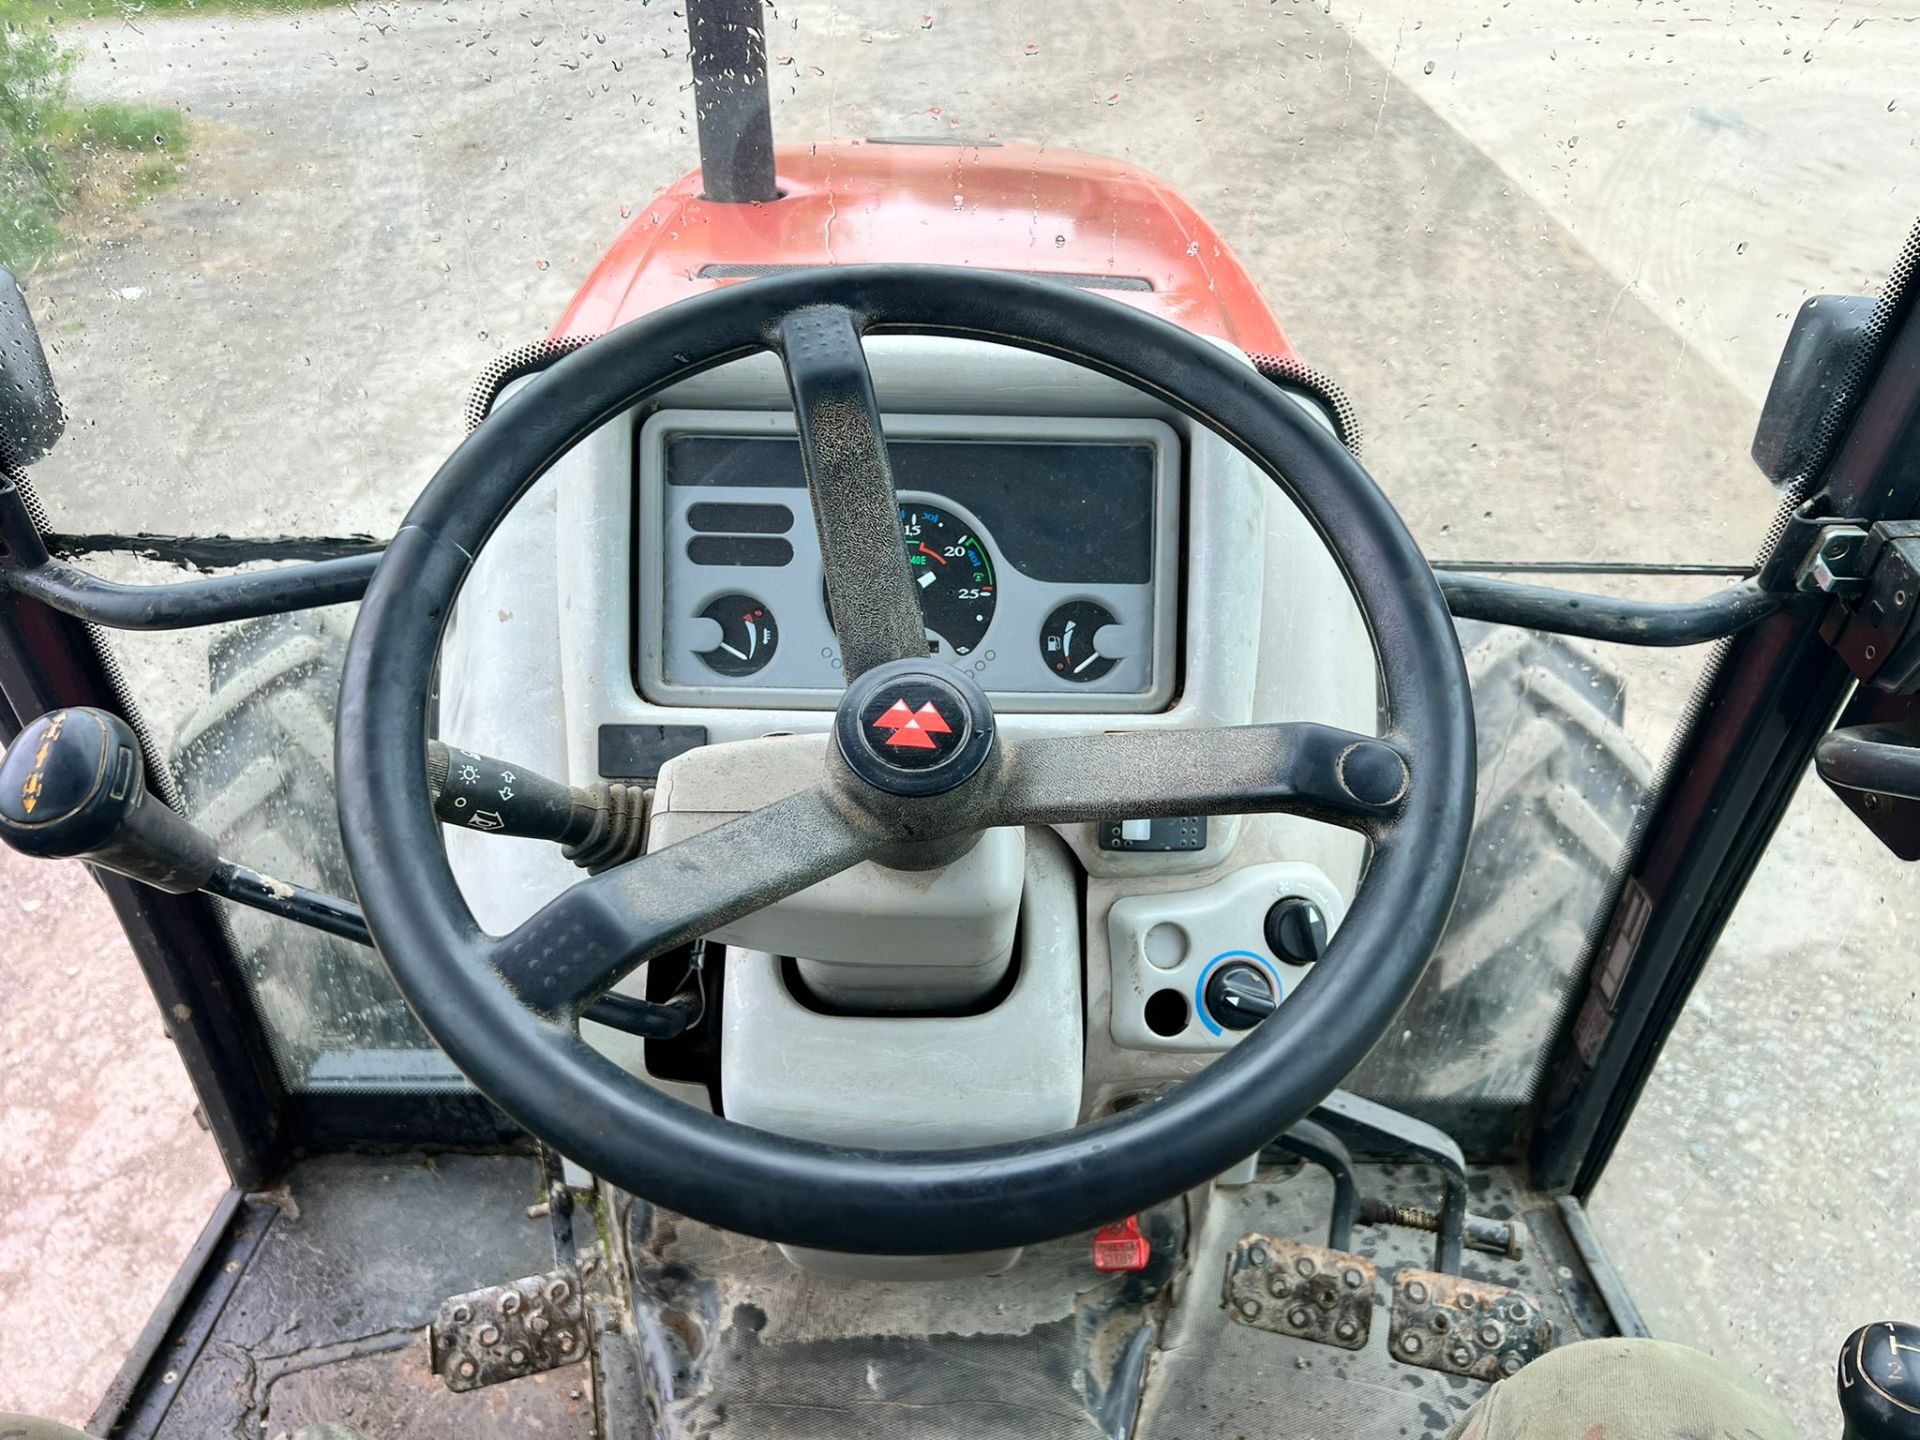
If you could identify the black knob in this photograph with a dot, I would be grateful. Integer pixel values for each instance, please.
(72, 785)
(1296, 930)
(1239, 996)
(1880, 1382)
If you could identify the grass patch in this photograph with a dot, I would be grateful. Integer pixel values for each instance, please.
(56, 155)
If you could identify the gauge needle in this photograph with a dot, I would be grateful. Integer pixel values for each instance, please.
(737, 654)
(1086, 662)
(938, 557)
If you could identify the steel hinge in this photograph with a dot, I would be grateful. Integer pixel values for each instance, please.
(1873, 573)
(1833, 563)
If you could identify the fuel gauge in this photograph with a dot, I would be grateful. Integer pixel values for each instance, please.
(1066, 641)
(748, 635)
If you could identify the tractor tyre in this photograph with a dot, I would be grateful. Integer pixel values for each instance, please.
(1559, 787)
(255, 767)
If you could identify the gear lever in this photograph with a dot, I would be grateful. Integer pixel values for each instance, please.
(1879, 1382)
(73, 786)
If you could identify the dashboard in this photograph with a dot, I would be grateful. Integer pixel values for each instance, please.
(1044, 550)
(581, 647)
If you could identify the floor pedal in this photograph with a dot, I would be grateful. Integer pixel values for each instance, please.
(1464, 1327)
(1306, 1291)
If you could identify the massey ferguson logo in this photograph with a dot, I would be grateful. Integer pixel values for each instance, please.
(908, 729)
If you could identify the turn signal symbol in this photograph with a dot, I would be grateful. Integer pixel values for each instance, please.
(912, 729)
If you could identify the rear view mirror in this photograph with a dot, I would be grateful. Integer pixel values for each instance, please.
(30, 415)
(1813, 386)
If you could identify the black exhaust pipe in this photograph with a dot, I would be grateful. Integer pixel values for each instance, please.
(730, 101)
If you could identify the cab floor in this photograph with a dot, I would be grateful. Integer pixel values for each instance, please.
(311, 1307)
(1053, 1348)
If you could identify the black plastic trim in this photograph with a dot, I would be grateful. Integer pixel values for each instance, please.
(1606, 617)
(185, 604)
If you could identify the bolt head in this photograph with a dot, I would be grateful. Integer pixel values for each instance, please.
(1353, 1277)
(565, 1341)
(1258, 1255)
(1346, 1330)
(510, 1303)
(1490, 1334)
(1411, 1344)
(1279, 1287)
(1417, 1292)
(1299, 1317)
(489, 1335)
(1250, 1308)
(1510, 1365)
(468, 1369)
(1460, 1356)
(1305, 1265)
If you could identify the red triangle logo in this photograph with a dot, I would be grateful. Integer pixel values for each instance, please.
(910, 737)
(896, 715)
(930, 720)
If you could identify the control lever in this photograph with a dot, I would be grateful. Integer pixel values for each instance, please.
(1879, 1380)
(597, 828)
(73, 786)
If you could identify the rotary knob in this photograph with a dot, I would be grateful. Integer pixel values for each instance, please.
(1239, 995)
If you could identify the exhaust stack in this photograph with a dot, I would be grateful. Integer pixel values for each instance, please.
(730, 100)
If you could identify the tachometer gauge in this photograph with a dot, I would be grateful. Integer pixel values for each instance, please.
(953, 573)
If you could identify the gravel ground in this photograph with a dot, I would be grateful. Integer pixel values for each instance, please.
(1552, 260)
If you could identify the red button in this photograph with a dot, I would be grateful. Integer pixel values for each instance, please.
(1121, 1246)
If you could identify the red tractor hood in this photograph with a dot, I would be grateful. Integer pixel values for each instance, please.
(1007, 207)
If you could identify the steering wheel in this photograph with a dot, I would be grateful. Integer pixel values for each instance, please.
(506, 1008)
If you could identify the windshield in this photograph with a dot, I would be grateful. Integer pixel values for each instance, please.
(1537, 261)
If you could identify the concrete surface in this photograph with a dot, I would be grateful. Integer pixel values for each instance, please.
(1515, 233)
(107, 1177)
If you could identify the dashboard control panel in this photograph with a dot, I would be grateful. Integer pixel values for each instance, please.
(1197, 969)
(1045, 552)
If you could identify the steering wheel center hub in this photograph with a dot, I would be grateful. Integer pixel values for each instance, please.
(914, 728)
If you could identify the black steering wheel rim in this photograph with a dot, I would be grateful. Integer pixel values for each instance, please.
(543, 1075)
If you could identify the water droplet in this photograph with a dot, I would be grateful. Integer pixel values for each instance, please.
(1193, 247)
(1427, 69)
(539, 264)
(1059, 242)
(1114, 98)
(1741, 248)
(1032, 50)
(626, 210)
(926, 22)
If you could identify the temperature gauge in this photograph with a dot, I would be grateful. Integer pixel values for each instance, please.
(748, 635)
(1066, 641)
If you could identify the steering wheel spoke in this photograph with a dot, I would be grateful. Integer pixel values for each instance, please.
(1299, 768)
(876, 614)
(590, 935)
